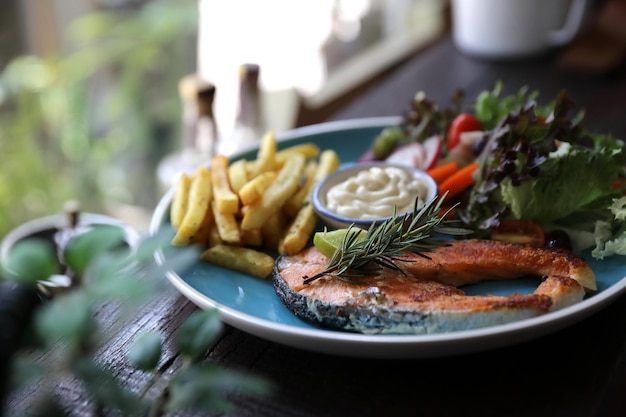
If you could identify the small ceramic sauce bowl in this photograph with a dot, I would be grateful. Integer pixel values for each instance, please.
(334, 220)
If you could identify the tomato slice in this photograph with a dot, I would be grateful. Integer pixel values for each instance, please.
(464, 122)
(519, 231)
(619, 183)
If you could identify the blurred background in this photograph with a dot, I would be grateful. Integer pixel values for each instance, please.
(89, 89)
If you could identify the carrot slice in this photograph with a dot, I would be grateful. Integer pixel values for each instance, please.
(443, 171)
(459, 181)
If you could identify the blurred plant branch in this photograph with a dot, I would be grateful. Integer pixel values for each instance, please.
(114, 274)
(89, 125)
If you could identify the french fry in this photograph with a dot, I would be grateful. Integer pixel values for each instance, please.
(214, 236)
(234, 209)
(226, 225)
(294, 203)
(200, 194)
(201, 237)
(242, 211)
(308, 149)
(328, 163)
(246, 260)
(285, 184)
(266, 155)
(252, 237)
(238, 174)
(180, 200)
(254, 189)
(273, 230)
(299, 231)
(302, 226)
(227, 202)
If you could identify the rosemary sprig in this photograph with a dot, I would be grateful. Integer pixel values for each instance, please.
(390, 241)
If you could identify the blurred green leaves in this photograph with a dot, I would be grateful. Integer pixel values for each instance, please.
(207, 388)
(108, 273)
(90, 124)
(198, 333)
(30, 261)
(84, 248)
(146, 350)
(69, 319)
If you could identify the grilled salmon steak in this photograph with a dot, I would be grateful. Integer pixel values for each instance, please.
(426, 298)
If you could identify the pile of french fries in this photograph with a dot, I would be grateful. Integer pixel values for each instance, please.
(243, 210)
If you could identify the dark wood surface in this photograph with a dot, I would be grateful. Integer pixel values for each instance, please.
(577, 371)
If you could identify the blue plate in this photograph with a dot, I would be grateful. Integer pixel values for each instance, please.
(251, 305)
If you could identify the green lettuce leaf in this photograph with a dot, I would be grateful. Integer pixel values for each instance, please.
(610, 235)
(492, 106)
(552, 196)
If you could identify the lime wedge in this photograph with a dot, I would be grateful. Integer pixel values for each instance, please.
(328, 242)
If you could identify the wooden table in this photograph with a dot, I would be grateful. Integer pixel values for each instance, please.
(578, 371)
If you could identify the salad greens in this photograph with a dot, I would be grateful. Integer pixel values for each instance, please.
(538, 163)
(545, 167)
(610, 235)
(423, 120)
(490, 107)
(549, 197)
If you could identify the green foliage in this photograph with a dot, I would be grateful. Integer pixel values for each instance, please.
(69, 319)
(206, 387)
(491, 107)
(30, 261)
(104, 388)
(146, 350)
(91, 124)
(86, 247)
(131, 278)
(198, 333)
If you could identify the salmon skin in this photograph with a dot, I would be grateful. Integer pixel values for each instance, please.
(426, 298)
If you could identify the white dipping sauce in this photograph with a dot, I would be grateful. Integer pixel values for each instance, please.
(373, 193)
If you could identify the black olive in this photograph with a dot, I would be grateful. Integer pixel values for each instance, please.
(558, 239)
(507, 167)
(479, 145)
(497, 176)
(534, 171)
